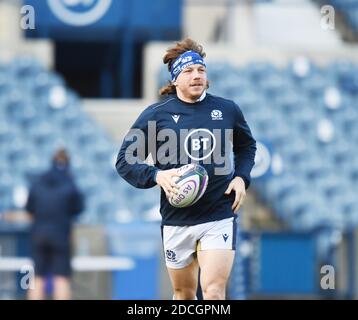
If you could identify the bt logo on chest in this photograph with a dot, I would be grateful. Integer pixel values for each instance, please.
(204, 137)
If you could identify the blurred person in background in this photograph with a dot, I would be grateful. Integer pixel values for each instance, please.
(54, 200)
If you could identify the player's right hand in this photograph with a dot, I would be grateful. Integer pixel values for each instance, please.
(166, 180)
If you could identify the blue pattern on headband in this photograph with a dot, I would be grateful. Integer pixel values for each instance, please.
(187, 59)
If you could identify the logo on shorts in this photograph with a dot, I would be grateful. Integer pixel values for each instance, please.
(171, 256)
(225, 236)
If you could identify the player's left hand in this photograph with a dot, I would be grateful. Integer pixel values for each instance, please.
(238, 185)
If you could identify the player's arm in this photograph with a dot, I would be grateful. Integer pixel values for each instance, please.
(244, 147)
(131, 158)
(165, 179)
(76, 201)
(134, 151)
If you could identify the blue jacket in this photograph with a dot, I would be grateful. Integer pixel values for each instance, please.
(211, 116)
(54, 200)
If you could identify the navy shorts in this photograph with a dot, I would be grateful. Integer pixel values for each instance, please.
(51, 256)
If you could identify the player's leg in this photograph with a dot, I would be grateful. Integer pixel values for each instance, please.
(61, 268)
(185, 281)
(215, 266)
(40, 257)
(216, 253)
(61, 288)
(38, 291)
(179, 246)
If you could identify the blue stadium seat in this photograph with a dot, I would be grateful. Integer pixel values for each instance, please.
(233, 85)
(273, 85)
(42, 134)
(4, 164)
(25, 66)
(305, 159)
(215, 70)
(290, 100)
(6, 84)
(250, 102)
(71, 119)
(277, 187)
(293, 204)
(346, 119)
(350, 209)
(43, 82)
(301, 69)
(19, 103)
(259, 69)
(340, 153)
(330, 183)
(314, 86)
(35, 165)
(6, 191)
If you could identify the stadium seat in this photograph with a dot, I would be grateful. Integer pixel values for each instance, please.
(273, 85)
(277, 187)
(259, 69)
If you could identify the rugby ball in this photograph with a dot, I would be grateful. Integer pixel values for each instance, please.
(192, 184)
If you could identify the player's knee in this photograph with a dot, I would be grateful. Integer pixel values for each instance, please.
(214, 292)
(184, 293)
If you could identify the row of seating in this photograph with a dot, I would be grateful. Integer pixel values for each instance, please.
(38, 114)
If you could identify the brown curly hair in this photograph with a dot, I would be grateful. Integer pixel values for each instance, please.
(174, 52)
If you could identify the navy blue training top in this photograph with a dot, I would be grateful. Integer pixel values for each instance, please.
(212, 132)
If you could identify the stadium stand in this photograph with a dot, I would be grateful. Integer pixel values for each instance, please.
(305, 122)
(39, 114)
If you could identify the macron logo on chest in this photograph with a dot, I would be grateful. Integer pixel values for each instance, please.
(176, 117)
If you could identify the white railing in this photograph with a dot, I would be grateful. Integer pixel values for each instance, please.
(78, 263)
